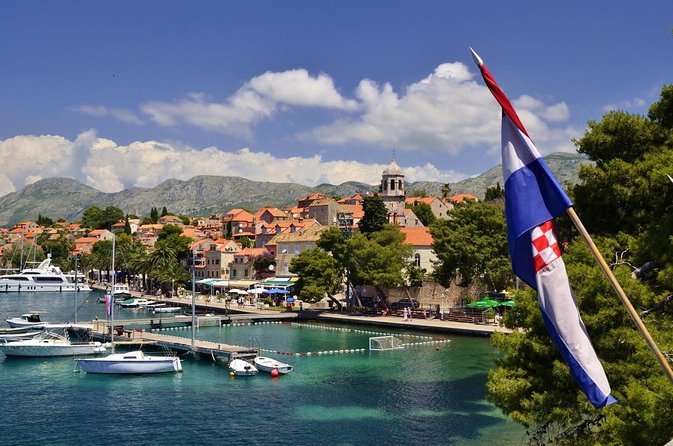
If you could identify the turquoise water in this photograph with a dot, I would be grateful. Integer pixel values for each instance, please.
(425, 394)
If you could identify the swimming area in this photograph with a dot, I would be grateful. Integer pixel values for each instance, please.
(429, 394)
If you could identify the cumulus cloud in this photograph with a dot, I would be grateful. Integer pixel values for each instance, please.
(446, 112)
(108, 166)
(257, 99)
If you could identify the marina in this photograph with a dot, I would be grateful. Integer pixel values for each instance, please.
(338, 393)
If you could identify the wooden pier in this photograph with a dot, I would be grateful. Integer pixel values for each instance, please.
(137, 332)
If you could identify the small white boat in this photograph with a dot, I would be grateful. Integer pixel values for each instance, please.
(49, 344)
(165, 309)
(135, 362)
(17, 334)
(268, 365)
(31, 319)
(241, 367)
(135, 303)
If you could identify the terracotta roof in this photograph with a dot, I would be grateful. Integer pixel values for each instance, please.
(417, 236)
(459, 198)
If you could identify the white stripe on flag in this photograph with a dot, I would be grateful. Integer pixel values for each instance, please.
(558, 305)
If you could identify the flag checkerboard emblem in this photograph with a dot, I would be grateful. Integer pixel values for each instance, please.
(545, 245)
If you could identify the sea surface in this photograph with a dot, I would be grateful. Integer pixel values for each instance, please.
(425, 394)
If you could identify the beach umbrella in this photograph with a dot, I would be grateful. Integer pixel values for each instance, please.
(257, 291)
(484, 303)
(237, 291)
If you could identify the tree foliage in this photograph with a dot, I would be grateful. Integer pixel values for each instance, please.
(626, 201)
(97, 218)
(424, 213)
(375, 215)
(471, 246)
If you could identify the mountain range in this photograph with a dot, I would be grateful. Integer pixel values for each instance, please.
(208, 194)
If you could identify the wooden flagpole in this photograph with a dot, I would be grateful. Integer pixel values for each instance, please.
(620, 292)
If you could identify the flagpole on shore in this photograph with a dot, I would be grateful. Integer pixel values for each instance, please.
(620, 292)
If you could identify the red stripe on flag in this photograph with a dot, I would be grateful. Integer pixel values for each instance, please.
(502, 98)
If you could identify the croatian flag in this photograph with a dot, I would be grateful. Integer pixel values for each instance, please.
(533, 198)
(108, 304)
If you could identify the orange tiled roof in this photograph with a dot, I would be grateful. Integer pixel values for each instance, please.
(417, 236)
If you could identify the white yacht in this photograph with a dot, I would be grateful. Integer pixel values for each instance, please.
(44, 277)
(49, 344)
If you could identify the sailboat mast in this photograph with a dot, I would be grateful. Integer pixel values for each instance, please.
(112, 297)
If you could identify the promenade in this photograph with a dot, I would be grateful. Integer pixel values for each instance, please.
(205, 304)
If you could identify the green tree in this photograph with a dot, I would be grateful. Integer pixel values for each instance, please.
(154, 215)
(471, 246)
(319, 275)
(164, 211)
(494, 193)
(375, 215)
(97, 218)
(171, 236)
(44, 221)
(263, 266)
(424, 213)
(446, 190)
(625, 200)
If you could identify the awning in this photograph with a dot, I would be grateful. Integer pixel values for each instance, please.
(207, 281)
(278, 283)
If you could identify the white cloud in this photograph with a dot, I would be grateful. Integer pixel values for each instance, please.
(628, 104)
(110, 167)
(257, 99)
(120, 114)
(446, 112)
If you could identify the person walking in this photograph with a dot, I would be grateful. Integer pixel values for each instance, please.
(404, 313)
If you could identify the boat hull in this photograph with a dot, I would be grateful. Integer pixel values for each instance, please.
(269, 365)
(242, 368)
(131, 364)
(49, 349)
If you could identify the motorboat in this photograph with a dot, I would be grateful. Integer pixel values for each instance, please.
(31, 320)
(241, 367)
(135, 303)
(48, 344)
(18, 333)
(164, 309)
(44, 277)
(268, 365)
(134, 362)
(121, 291)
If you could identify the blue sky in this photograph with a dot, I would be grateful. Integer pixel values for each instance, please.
(131, 93)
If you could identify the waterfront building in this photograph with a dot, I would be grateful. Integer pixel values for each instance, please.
(218, 258)
(420, 239)
(290, 244)
(241, 266)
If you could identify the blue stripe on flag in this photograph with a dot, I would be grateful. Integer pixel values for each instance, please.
(532, 196)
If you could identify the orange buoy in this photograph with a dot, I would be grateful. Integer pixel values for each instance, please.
(274, 373)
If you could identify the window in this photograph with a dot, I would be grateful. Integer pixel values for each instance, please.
(297, 248)
(392, 184)
(417, 260)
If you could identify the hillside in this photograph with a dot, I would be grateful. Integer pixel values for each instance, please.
(207, 194)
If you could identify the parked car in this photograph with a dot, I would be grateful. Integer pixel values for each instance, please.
(405, 303)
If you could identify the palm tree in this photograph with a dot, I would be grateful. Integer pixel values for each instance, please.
(446, 190)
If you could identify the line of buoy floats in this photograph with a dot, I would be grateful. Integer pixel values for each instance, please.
(427, 340)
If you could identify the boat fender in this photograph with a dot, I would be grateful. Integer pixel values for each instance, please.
(274, 373)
